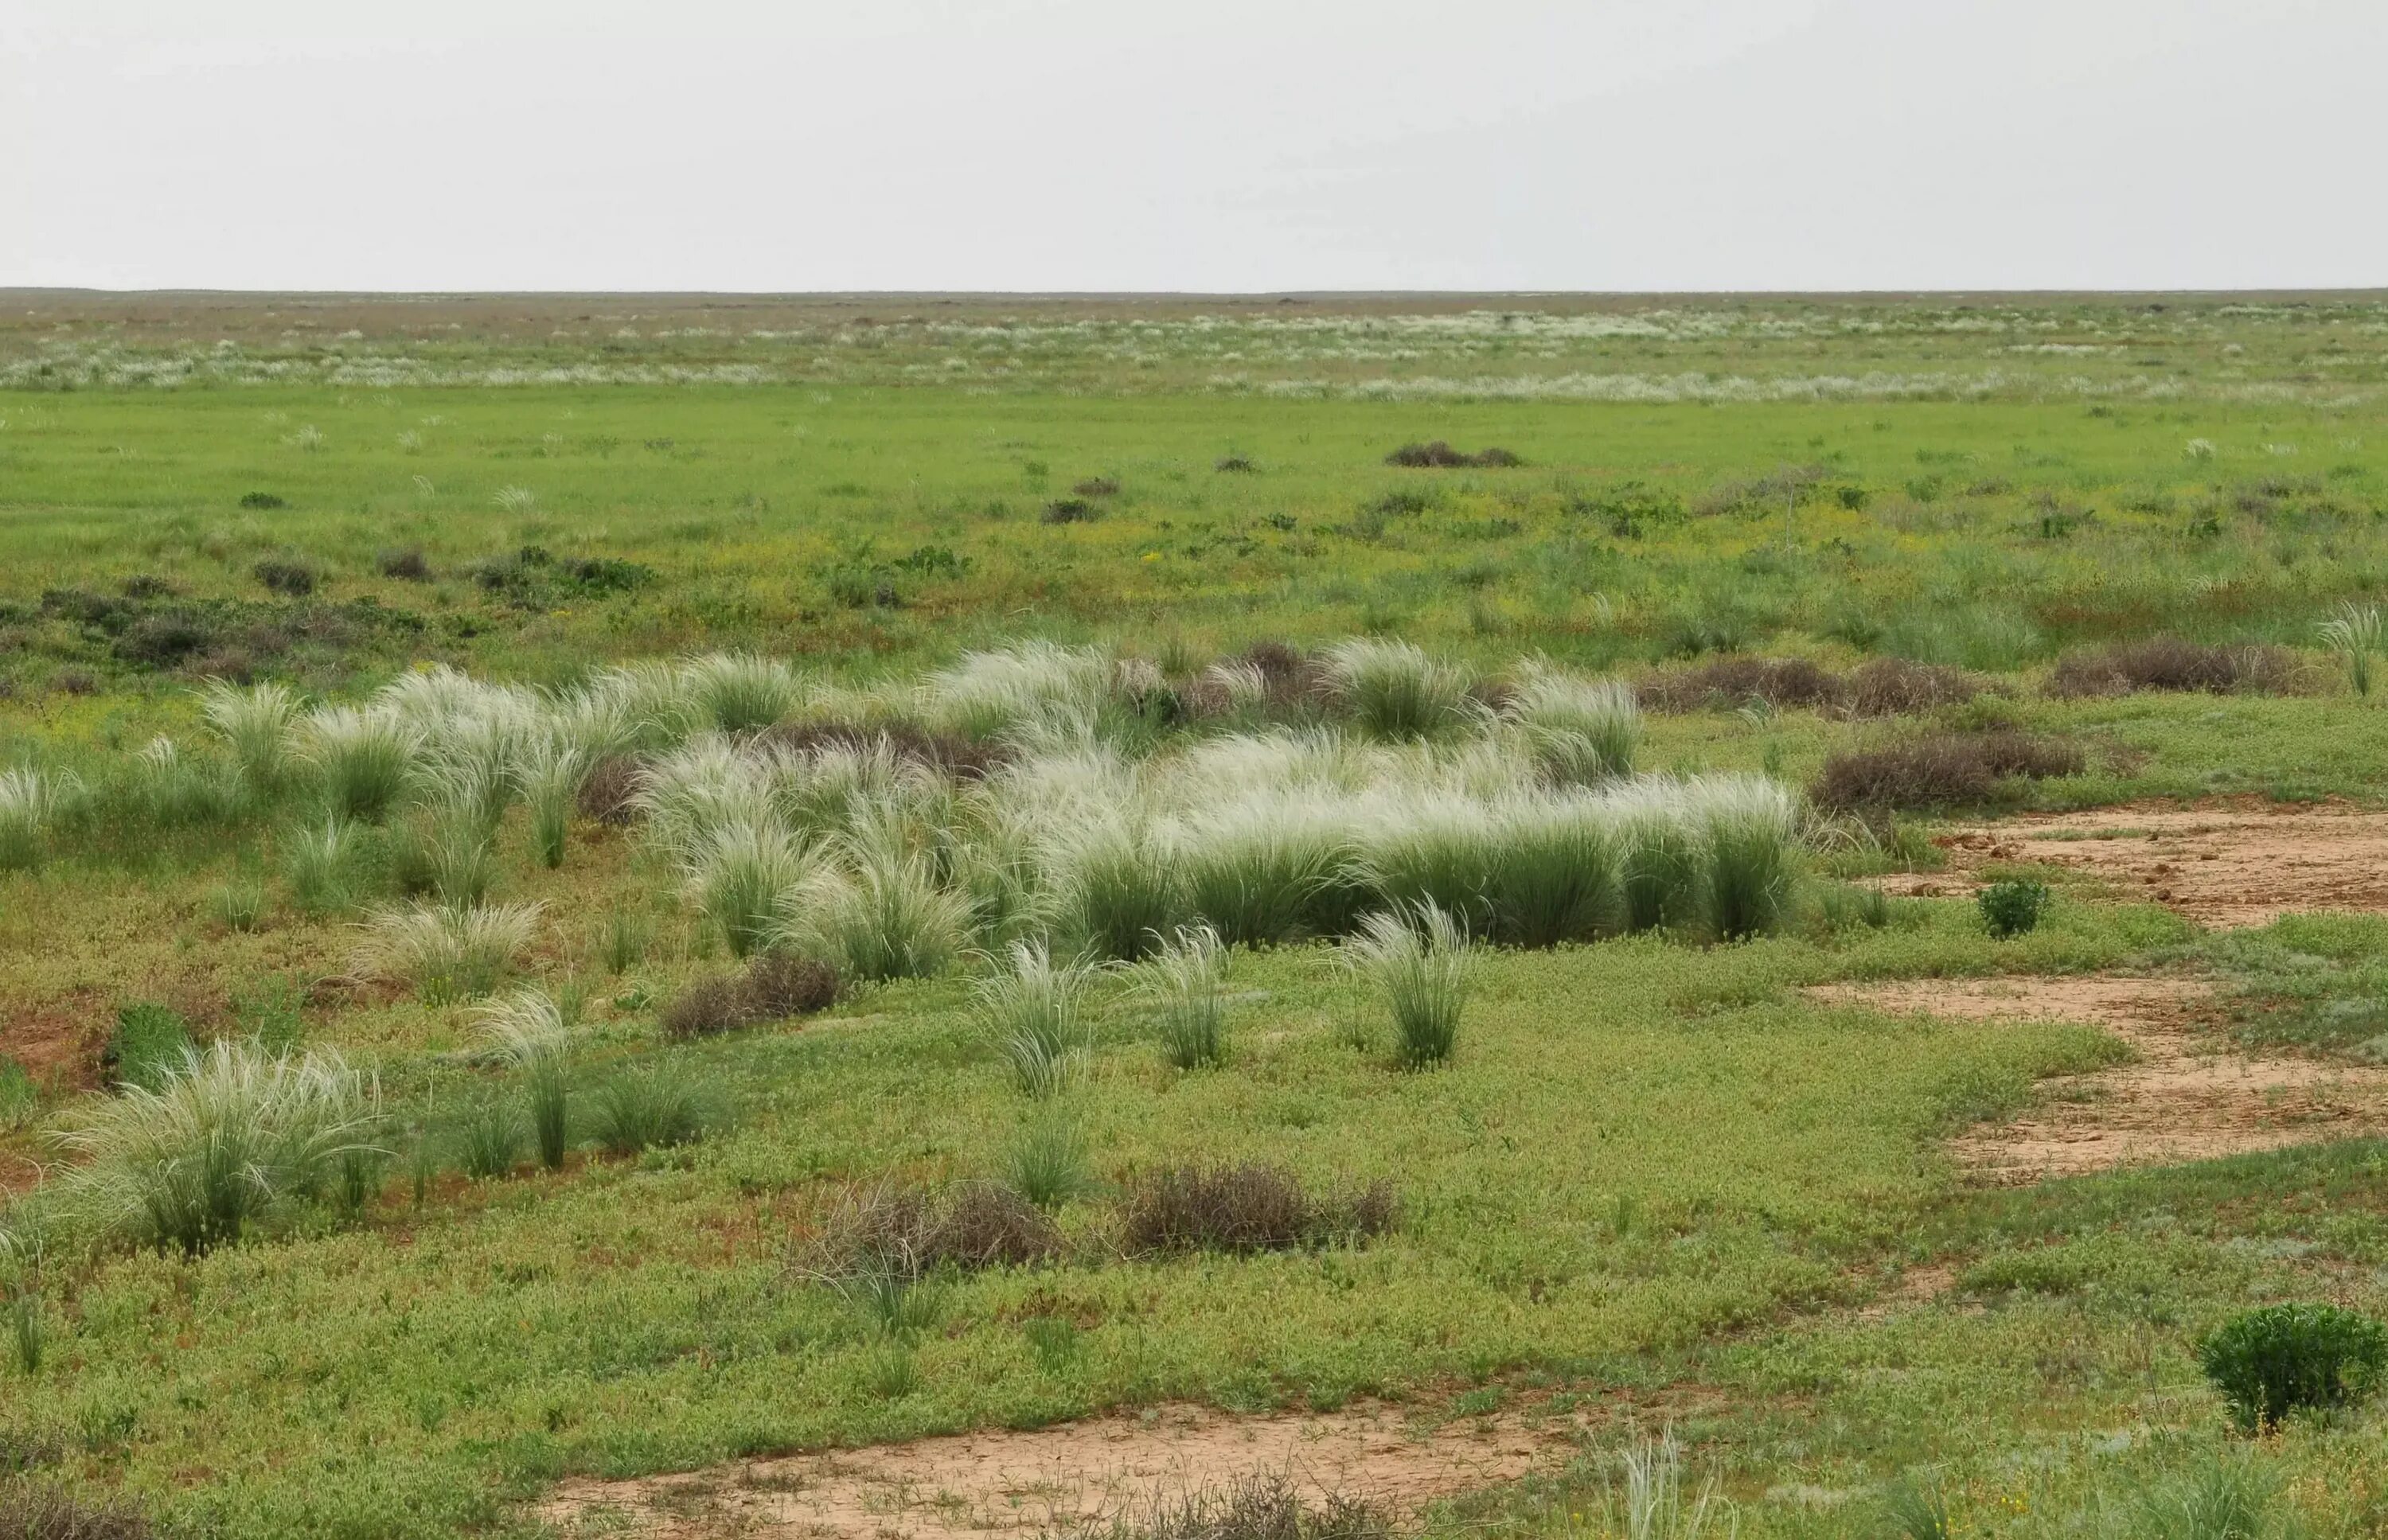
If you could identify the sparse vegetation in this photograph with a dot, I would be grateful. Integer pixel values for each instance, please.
(757, 691)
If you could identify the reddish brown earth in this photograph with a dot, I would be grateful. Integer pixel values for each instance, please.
(1060, 1477)
(2240, 863)
(2187, 1097)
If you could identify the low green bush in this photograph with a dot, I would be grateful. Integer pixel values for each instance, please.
(2270, 1362)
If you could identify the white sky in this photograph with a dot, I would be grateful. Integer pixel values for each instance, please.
(1203, 145)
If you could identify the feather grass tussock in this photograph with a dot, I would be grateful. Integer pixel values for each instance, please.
(2170, 664)
(448, 953)
(192, 1163)
(29, 803)
(1031, 1011)
(1418, 961)
(1940, 769)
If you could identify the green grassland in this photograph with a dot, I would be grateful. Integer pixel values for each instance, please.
(1655, 1185)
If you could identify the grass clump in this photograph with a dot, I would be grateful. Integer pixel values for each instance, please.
(2353, 633)
(448, 953)
(257, 725)
(365, 760)
(549, 777)
(1580, 731)
(740, 692)
(2282, 1358)
(1392, 690)
(321, 867)
(1418, 959)
(1046, 1162)
(1246, 1208)
(1031, 1010)
(1940, 770)
(2012, 908)
(488, 1140)
(887, 918)
(190, 1164)
(150, 1046)
(748, 880)
(1186, 981)
(29, 803)
(1748, 838)
(527, 1030)
(648, 1109)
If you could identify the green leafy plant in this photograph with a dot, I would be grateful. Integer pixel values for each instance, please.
(2282, 1359)
(2012, 908)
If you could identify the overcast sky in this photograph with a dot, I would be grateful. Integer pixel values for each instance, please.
(1204, 145)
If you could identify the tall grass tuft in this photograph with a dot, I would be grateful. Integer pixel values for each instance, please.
(2354, 635)
(365, 759)
(257, 725)
(1419, 958)
(1045, 1161)
(1556, 874)
(548, 776)
(1115, 886)
(320, 866)
(1748, 835)
(447, 955)
(648, 1109)
(739, 692)
(885, 918)
(1186, 981)
(193, 1163)
(1270, 868)
(748, 879)
(527, 1029)
(29, 803)
(1580, 731)
(1031, 1011)
(1392, 690)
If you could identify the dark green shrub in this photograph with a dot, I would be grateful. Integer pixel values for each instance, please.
(261, 500)
(648, 1109)
(2012, 908)
(288, 577)
(149, 1047)
(2276, 1360)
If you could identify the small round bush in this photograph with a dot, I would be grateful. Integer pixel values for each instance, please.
(2270, 1362)
(2012, 908)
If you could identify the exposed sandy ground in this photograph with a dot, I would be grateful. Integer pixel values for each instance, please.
(2232, 863)
(2188, 1098)
(1051, 1477)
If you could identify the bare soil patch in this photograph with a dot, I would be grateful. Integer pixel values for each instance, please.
(2222, 864)
(2187, 1098)
(1051, 1477)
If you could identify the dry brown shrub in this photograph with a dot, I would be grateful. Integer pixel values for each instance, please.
(1251, 1206)
(609, 795)
(40, 1513)
(2170, 664)
(1940, 769)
